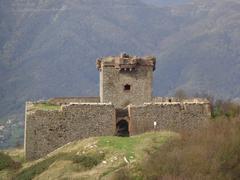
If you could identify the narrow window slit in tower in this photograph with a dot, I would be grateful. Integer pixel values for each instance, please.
(127, 87)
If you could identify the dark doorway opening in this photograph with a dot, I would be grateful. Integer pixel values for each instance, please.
(122, 128)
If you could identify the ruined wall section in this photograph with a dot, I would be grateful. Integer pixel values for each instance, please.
(165, 99)
(168, 116)
(112, 83)
(66, 100)
(46, 131)
(175, 99)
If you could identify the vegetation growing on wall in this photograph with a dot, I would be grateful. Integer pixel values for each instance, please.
(46, 106)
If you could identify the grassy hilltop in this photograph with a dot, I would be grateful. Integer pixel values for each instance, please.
(93, 158)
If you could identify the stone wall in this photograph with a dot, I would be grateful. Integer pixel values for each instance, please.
(46, 131)
(168, 116)
(67, 100)
(112, 83)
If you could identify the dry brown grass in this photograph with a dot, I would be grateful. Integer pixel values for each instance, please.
(210, 153)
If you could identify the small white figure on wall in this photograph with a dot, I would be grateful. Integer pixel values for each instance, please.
(155, 125)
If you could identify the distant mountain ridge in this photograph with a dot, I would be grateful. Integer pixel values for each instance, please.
(49, 48)
(165, 2)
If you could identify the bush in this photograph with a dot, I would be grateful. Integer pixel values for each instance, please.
(88, 161)
(7, 162)
(221, 108)
(226, 108)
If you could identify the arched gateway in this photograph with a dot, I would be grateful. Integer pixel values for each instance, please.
(122, 128)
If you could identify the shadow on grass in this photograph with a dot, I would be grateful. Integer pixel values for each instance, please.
(87, 161)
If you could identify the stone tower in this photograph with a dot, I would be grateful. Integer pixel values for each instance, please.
(126, 79)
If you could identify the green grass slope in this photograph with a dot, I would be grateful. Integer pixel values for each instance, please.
(93, 158)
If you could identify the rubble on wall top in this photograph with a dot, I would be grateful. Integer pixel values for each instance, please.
(163, 102)
(88, 103)
(190, 101)
(170, 104)
(177, 100)
(126, 62)
(174, 103)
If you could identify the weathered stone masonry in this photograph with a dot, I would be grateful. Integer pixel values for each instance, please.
(167, 116)
(116, 73)
(49, 130)
(125, 107)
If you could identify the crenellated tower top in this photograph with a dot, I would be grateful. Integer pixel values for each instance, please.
(125, 62)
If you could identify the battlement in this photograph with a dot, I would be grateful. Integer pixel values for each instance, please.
(125, 62)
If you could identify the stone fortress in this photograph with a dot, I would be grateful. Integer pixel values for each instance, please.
(125, 107)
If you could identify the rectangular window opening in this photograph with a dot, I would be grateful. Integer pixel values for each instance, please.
(127, 87)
